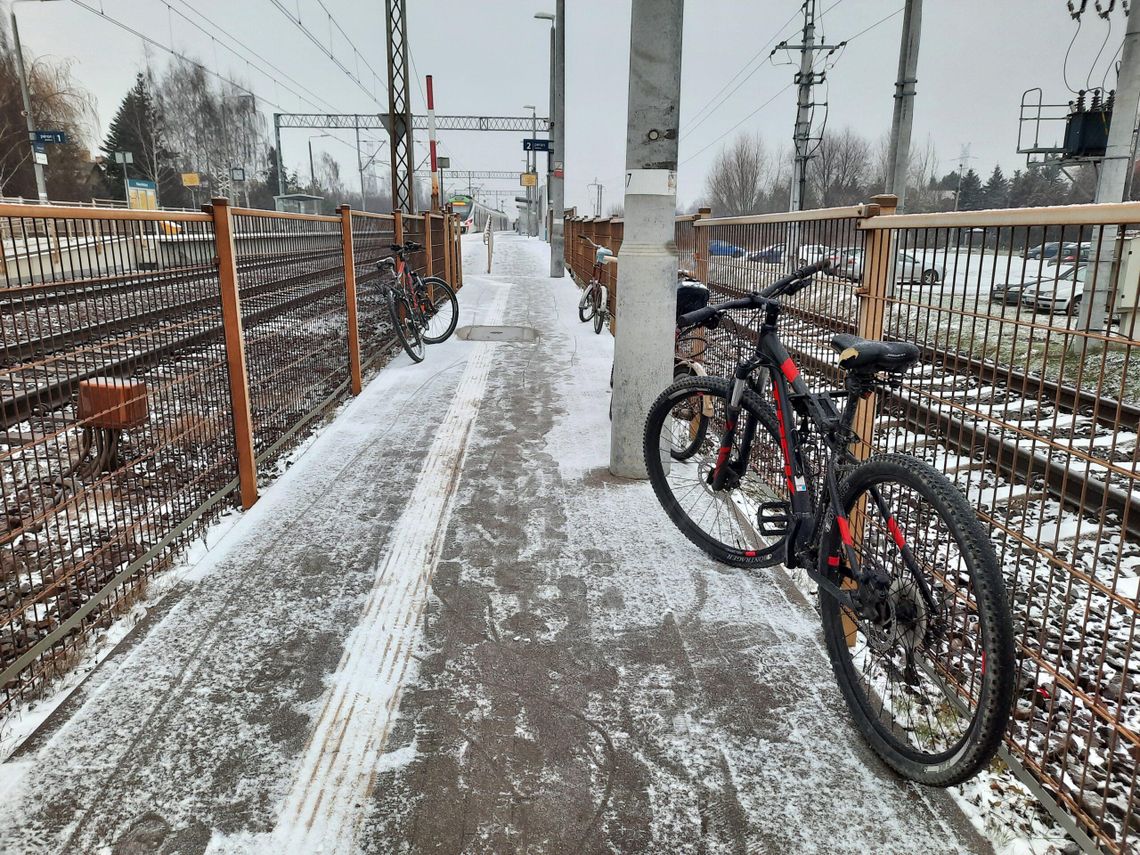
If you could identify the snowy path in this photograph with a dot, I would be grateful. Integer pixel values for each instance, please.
(448, 629)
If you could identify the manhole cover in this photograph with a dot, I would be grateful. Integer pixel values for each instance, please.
(495, 333)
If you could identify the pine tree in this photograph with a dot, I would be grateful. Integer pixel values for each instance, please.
(138, 128)
(996, 192)
(970, 196)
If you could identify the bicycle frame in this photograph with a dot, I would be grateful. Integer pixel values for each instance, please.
(791, 397)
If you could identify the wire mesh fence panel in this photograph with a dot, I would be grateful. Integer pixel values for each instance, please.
(1032, 408)
(117, 443)
(372, 237)
(414, 232)
(291, 280)
(747, 256)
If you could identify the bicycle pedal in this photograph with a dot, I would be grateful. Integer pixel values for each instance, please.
(773, 518)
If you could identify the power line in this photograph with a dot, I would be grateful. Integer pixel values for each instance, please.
(160, 46)
(336, 61)
(323, 103)
(738, 124)
(696, 118)
(348, 39)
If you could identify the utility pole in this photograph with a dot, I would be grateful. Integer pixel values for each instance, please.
(400, 108)
(1114, 181)
(805, 79)
(558, 132)
(899, 157)
(41, 183)
(647, 299)
(435, 181)
(598, 188)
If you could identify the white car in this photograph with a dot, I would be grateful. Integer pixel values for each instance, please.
(1057, 295)
(909, 267)
(813, 252)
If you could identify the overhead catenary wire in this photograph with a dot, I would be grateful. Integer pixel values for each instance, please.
(238, 52)
(332, 56)
(176, 53)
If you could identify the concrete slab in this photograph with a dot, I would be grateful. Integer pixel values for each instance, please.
(448, 629)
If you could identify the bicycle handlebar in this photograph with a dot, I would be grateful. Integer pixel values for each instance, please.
(786, 286)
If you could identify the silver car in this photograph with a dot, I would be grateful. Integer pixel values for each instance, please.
(909, 267)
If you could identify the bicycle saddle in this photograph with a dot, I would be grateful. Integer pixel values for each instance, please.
(860, 354)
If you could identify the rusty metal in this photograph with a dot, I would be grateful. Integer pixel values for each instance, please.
(135, 299)
(1034, 417)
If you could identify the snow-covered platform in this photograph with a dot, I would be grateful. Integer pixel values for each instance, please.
(448, 629)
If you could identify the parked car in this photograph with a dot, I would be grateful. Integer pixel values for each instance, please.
(1050, 250)
(723, 247)
(1059, 294)
(1075, 254)
(773, 254)
(813, 252)
(909, 267)
(1009, 292)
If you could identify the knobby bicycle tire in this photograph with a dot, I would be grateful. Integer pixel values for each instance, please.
(957, 645)
(723, 523)
(440, 295)
(406, 325)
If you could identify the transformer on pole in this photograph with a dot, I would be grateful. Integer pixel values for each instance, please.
(400, 107)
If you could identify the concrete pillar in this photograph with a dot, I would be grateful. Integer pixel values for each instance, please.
(647, 298)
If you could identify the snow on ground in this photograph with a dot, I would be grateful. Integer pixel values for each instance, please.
(537, 660)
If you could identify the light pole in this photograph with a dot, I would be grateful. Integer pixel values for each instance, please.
(552, 112)
(41, 183)
(312, 171)
(531, 167)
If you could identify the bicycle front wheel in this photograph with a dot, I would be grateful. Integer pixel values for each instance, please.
(440, 307)
(586, 304)
(724, 523)
(927, 670)
(405, 320)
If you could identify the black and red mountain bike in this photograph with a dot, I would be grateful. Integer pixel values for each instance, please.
(914, 609)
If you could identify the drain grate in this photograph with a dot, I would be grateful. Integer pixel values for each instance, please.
(497, 333)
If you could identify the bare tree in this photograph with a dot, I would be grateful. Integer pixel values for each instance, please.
(60, 104)
(839, 168)
(739, 178)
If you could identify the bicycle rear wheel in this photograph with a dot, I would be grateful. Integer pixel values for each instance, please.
(601, 308)
(406, 322)
(695, 409)
(724, 523)
(928, 673)
(441, 308)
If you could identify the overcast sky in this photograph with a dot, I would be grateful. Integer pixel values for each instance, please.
(491, 58)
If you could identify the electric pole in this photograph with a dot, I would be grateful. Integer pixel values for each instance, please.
(805, 80)
(1114, 181)
(899, 157)
(399, 108)
(558, 133)
(647, 298)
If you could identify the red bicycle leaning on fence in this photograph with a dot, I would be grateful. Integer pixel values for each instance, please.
(424, 309)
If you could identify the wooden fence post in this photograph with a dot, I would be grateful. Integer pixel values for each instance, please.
(235, 350)
(447, 272)
(398, 228)
(428, 266)
(701, 247)
(878, 268)
(458, 233)
(350, 299)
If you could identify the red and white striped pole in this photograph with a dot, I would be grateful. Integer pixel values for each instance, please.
(435, 182)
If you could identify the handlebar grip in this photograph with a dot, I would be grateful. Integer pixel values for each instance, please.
(697, 316)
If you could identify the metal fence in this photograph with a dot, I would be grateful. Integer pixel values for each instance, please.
(1030, 406)
(152, 363)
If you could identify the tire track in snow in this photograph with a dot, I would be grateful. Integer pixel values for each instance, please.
(328, 796)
